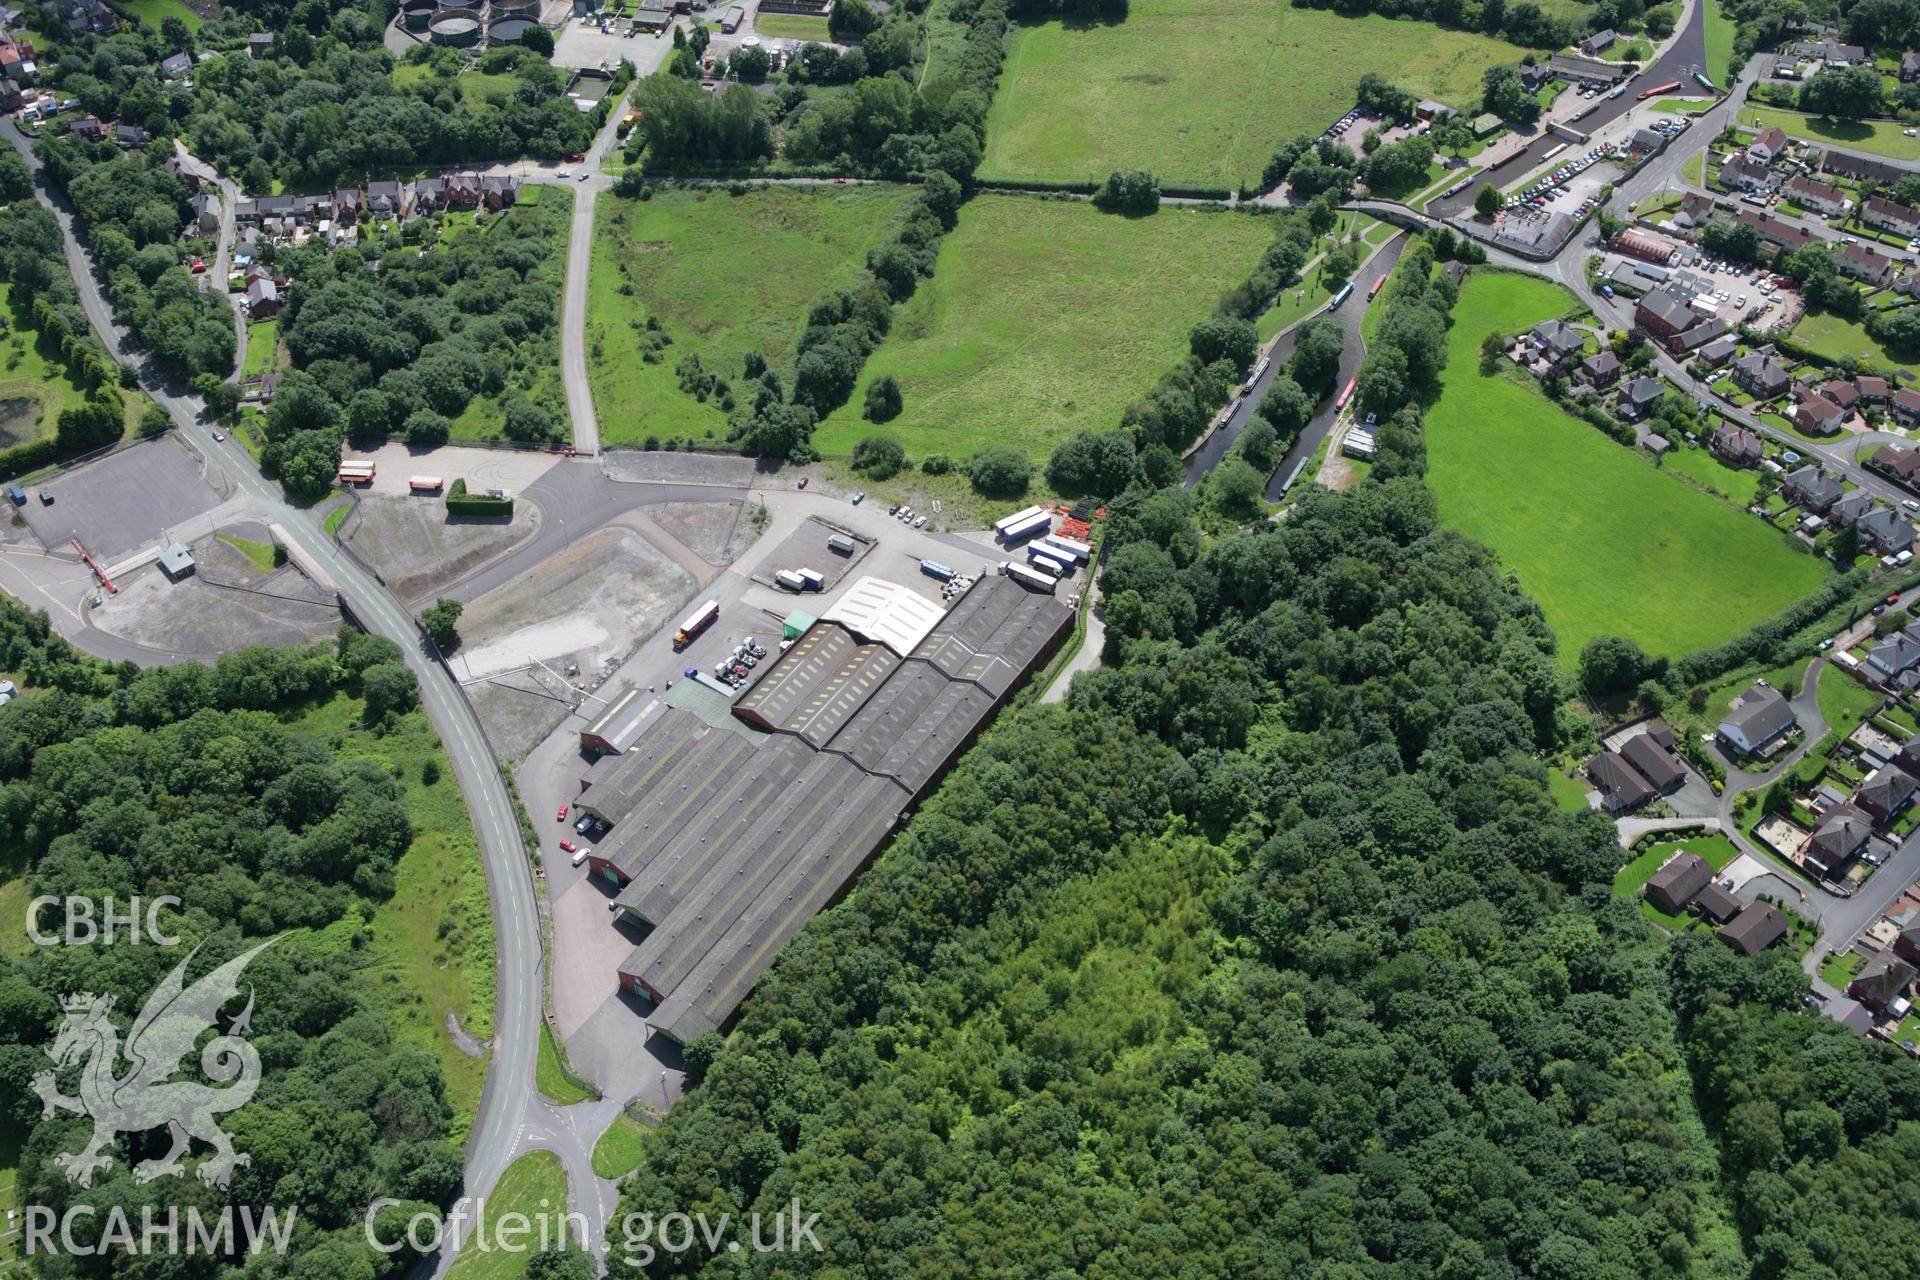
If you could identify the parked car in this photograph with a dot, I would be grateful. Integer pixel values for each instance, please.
(568, 845)
(803, 482)
(1893, 597)
(580, 856)
(859, 496)
(562, 815)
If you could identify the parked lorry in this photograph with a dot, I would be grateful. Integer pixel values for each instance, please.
(697, 621)
(814, 579)
(790, 580)
(840, 543)
(934, 569)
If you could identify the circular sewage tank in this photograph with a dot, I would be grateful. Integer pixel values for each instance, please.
(416, 14)
(460, 6)
(458, 30)
(510, 30)
(516, 8)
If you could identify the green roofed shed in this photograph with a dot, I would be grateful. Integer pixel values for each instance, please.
(796, 625)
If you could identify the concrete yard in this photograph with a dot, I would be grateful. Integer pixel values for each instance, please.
(714, 531)
(125, 501)
(420, 549)
(586, 608)
(227, 604)
(510, 469)
(687, 468)
(806, 548)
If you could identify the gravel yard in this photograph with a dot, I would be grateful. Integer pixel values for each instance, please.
(420, 549)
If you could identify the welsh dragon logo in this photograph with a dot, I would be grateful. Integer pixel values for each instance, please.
(147, 1096)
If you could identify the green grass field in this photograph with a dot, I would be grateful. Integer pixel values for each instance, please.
(1628, 882)
(1200, 91)
(263, 348)
(1607, 544)
(1720, 30)
(1840, 340)
(432, 949)
(1880, 138)
(791, 26)
(151, 12)
(1739, 486)
(552, 1077)
(618, 1152)
(535, 1186)
(1043, 317)
(1679, 106)
(725, 275)
(34, 389)
(1844, 701)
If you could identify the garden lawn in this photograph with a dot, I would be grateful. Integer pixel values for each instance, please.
(431, 954)
(1881, 138)
(1043, 317)
(533, 1185)
(1844, 701)
(263, 348)
(1837, 971)
(725, 275)
(1607, 544)
(1717, 850)
(1840, 340)
(152, 12)
(1201, 91)
(1739, 486)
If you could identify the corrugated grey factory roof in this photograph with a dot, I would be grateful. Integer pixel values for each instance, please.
(915, 725)
(723, 976)
(994, 632)
(831, 808)
(674, 857)
(677, 772)
(619, 726)
(817, 684)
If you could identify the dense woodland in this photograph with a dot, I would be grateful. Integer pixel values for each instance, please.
(321, 107)
(184, 781)
(402, 335)
(1268, 954)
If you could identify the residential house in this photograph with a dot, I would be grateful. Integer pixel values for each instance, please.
(176, 67)
(1759, 374)
(1638, 397)
(1701, 335)
(1892, 659)
(1841, 392)
(1736, 446)
(1554, 340)
(1818, 196)
(1886, 531)
(1849, 1014)
(1602, 369)
(1648, 142)
(1768, 145)
(1828, 52)
(347, 204)
(1881, 981)
(195, 173)
(1748, 175)
(1534, 78)
(1654, 762)
(1758, 926)
(259, 44)
(10, 96)
(1719, 351)
(263, 298)
(1847, 512)
(1620, 786)
(499, 192)
(1716, 903)
(1777, 231)
(1597, 43)
(1679, 878)
(1885, 793)
(429, 195)
(1694, 210)
(1906, 406)
(206, 212)
(389, 199)
(1761, 719)
(1889, 216)
(1662, 314)
(1849, 165)
(463, 191)
(1812, 488)
(1872, 389)
(1818, 415)
(1907, 944)
(90, 128)
(1869, 266)
(1909, 67)
(129, 135)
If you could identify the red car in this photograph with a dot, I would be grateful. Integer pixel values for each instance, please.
(569, 846)
(1893, 598)
(803, 482)
(576, 157)
(842, 181)
(562, 815)
(199, 265)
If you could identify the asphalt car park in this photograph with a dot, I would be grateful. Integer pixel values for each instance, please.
(125, 501)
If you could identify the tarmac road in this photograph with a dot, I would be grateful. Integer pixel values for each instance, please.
(573, 303)
(510, 1093)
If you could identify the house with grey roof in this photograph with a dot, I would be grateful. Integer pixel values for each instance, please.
(1881, 981)
(177, 66)
(1886, 531)
(1653, 762)
(1761, 718)
(1679, 878)
(1760, 374)
(1639, 396)
(1554, 340)
(1838, 839)
(1847, 512)
(1736, 446)
(1756, 928)
(1619, 784)
(1812, 488)
(1885, 793)
(1601, 369)
(1892, 659)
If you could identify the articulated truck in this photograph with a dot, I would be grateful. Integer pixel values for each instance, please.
(697, 621)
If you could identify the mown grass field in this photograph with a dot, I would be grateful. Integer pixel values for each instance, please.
(1043, 317)
(153, 12)
(263, 348)
(534, 1186)
(1840, 340)
(34, 389)
(791, 26)
(1738, 485)
(1605, 542)
(1882, 138)
(1720, 30)
(1200, 91)
(432, 949)
(618, 1153)
(725, 275)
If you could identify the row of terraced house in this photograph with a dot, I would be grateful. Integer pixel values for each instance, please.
(390, 199)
